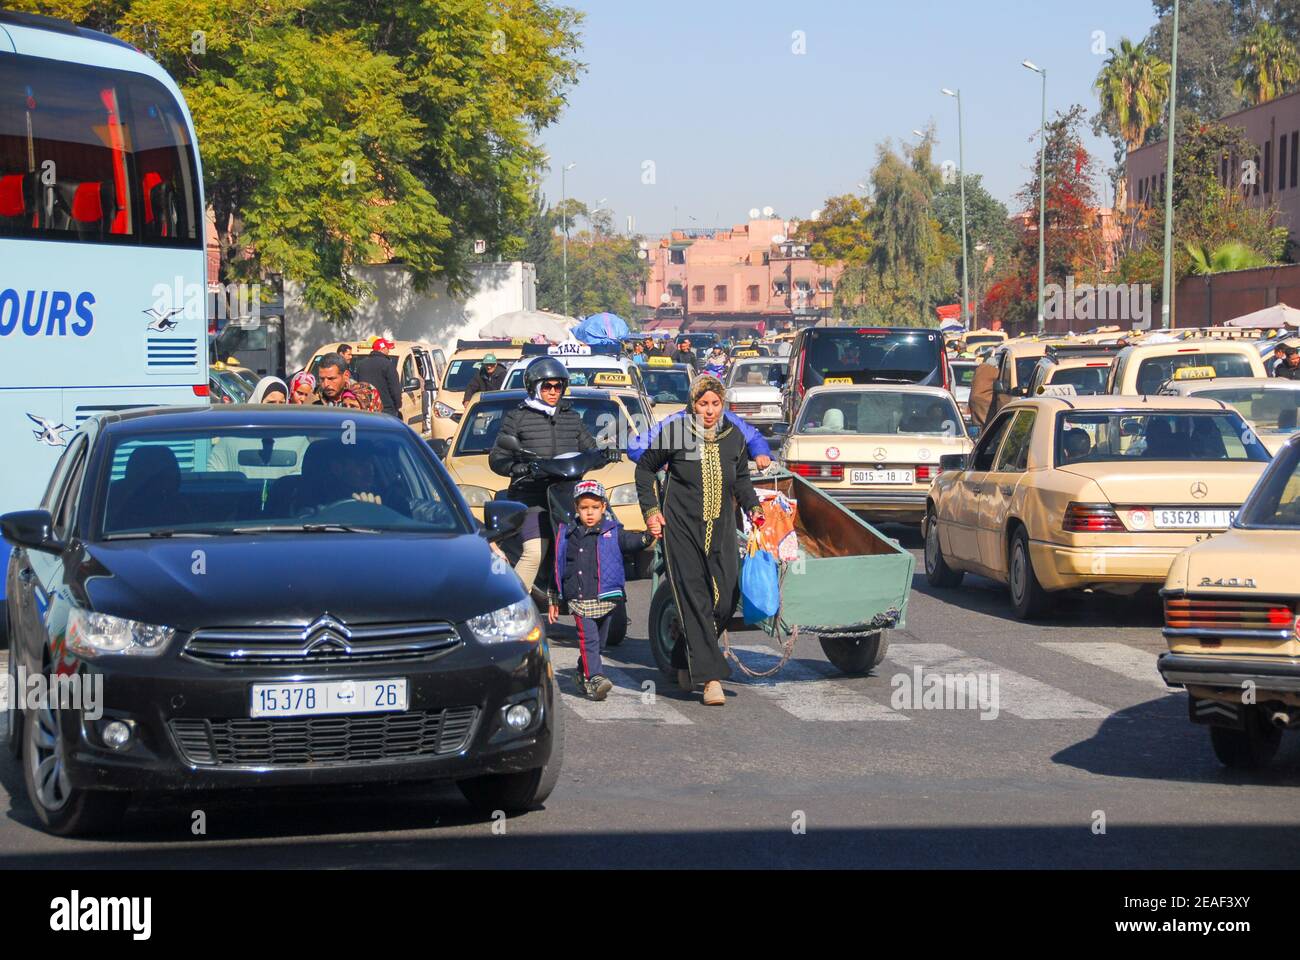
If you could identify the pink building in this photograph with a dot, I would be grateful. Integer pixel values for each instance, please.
(735, 279)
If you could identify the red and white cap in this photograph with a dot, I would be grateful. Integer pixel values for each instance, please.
(590, 488)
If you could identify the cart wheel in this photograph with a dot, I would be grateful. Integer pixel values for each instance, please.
(1247, 749)
(855, 654)
(663, 615)
(617, 626)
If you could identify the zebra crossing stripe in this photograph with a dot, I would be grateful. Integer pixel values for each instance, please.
(625, 702)
(1117, 658)
(1018, 695)
(806, 689)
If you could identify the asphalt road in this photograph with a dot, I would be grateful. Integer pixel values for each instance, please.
(810, 770)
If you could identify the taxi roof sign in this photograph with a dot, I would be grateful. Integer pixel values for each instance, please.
(1195, 373)
(612, 379)
(659, 362)
(570, 348)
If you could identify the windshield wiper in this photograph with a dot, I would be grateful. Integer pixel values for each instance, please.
(161, 534)
(307, 528)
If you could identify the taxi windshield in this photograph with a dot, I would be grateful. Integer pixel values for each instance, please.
(580, 375)
(1115, 436)
(749, 374)
(1271, 410)
(1275, 501)
(879, 412)
(245, 480)
(1085, 380)
(1154, 371)
(667, 386)
(459, 374)
(606, 420)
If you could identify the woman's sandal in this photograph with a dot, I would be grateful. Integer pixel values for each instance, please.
(713, 695)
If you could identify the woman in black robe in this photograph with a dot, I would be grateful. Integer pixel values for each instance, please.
(708, 472)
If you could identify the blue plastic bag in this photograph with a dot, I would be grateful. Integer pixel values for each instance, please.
(760, 585)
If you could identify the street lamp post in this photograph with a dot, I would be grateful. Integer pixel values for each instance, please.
(564, 216)
(1167, 291)
(1042, 191)
(961, 176)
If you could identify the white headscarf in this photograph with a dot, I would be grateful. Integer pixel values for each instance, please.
(264, 387)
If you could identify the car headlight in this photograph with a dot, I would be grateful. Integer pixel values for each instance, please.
(516, 622)
(771, 410)
(443, 410)
(623, 495)
(476, 496)
(97, 634)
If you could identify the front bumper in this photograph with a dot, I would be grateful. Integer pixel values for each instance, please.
(1061, 567)
(1182, 669)
(168, 700)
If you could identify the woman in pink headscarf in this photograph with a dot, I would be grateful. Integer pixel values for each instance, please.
(302, 388)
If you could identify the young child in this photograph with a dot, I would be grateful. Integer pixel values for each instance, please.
(589, 575)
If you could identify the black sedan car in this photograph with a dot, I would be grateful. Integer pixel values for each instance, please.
(268, 597)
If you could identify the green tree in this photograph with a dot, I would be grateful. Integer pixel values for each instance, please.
(841, 233)
(990, 240)
(1208, 34)
(1133, 87)
(334, 134)
(604, 268)
(1266, 64)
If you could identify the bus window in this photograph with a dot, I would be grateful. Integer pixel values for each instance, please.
(93, 155)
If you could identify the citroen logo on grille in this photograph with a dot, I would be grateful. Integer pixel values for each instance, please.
(1199, 490)
(327, 635)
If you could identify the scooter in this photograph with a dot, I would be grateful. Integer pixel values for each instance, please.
(562, 475)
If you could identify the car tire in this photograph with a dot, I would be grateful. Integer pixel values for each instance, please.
(1248, 749)
(618, 625)
(663, 614)
(520, 792)
(1028, 597)
(937, 571)
(855, 655)
(13, 716)
(63, 810)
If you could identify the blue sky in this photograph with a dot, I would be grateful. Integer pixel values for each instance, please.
(712, 92)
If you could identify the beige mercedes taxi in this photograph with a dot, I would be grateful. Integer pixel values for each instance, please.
(668, 384)
(875, 447)
(1088, 492)
(450, 399)
(605, 416)
(1230, 621)
(1144, 367)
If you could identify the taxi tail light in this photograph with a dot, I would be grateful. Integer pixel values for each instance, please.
(1210, 613)
(927, 471)
(1092, 518)
(818, 471)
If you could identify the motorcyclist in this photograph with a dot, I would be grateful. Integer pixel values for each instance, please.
(546, 425)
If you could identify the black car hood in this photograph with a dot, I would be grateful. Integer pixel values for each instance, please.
(295, 578)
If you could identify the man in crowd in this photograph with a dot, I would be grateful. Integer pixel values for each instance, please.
(490, 375)
(345, 351)
(981, 402)
(1288, 368)
(684, 353)
(379, 369)
(335, 380)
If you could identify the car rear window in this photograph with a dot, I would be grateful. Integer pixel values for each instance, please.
(879, 412)
(1275, 410)
(872, 356)
(1275, 501)
(668, 386)
(1154, 371)
(1103, 437)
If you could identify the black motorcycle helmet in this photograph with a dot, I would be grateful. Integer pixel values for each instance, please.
(543, 369)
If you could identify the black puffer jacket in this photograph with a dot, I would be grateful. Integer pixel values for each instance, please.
(540, 434)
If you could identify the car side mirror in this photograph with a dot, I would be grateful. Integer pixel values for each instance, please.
(412, 383)
(952, 461)
(33, 529)
(439, 446)
(502, 519)
(781, 430)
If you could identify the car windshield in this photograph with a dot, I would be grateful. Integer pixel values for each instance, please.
(459, 374)
(1085, 380)
(864, 356)
(580, 375)
(276, 479)
(1103, 437)
(879, 412)
(667, 386)
(1275, 501)
(606, 420)
(1271, 410)
(1025, 369)
(234, 385)
(750, 374)
(1154, 371)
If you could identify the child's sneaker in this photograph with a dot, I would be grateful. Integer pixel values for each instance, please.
(597, 687)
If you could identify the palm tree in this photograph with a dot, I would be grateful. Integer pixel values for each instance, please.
(1133, 87)
(1266, 64)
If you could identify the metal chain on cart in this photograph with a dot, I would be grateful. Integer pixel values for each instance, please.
(778, 625)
